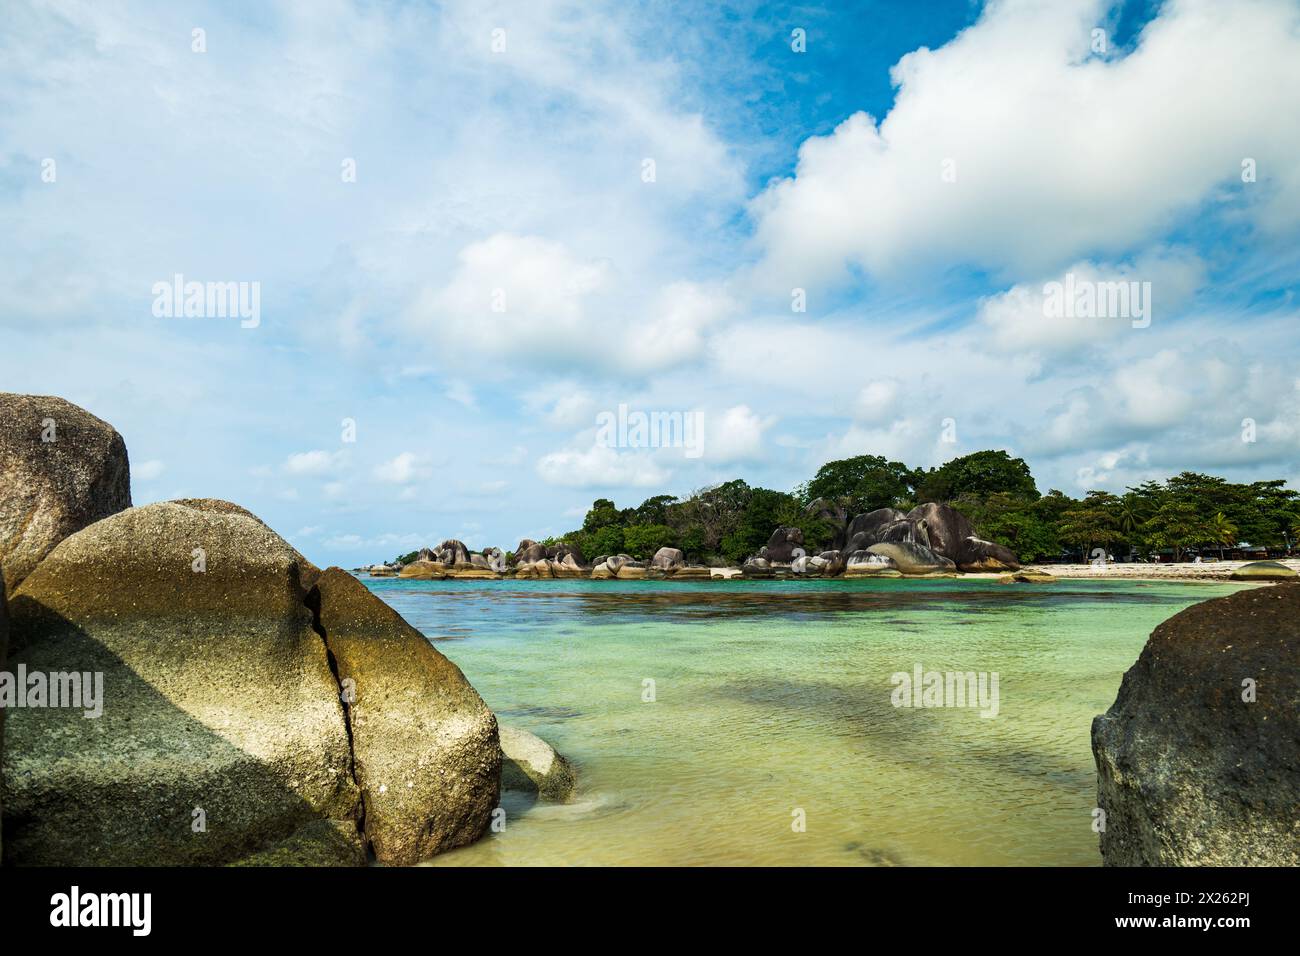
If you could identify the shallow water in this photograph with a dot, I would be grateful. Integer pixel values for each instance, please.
(775, 697)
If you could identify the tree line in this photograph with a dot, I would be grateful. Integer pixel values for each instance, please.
(727, 523)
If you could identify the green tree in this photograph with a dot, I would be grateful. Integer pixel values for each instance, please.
(979, 473)
(643, 540)
(1178, 526)
(860, 484)
(1092, 523)
(1223, 532)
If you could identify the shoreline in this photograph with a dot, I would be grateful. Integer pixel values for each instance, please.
(1211, 572)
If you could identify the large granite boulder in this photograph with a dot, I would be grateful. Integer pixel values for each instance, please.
(222, 732)
(1264, 571)
(913, 558)
(451, 551)
(61, 468)
(865, 530)
(668, 559)
(424, 745)
(531, 765)
(977, 555)
(529, 551)
(865, 564)
(1198, 759)
(783, 547)
(421, 570)
(945, 526)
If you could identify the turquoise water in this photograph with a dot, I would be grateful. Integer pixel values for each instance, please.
(772, 702)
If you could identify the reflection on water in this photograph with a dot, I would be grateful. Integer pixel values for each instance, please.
(771, 701)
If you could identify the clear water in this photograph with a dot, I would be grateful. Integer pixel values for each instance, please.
(775, 697)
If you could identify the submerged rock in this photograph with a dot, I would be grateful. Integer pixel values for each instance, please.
(531, 765)
(61, 469)
(423, 742)
(1198, 759)
(1264, 571)
(1032, 577)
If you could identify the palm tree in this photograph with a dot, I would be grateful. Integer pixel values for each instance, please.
(1222, 531)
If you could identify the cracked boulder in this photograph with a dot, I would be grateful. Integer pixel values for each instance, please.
(424, 743)
(61, 469)
(222, 735)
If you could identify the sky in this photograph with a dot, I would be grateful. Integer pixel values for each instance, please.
(478, 229)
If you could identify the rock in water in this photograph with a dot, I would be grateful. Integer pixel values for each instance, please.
(1264, 571)
(913, 558)
(222, 732)
(1191, 771)
(531, 765)
(61, 468)
(424, 744)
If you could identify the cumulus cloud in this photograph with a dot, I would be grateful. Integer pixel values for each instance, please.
(1019, 318)
(1055, 153)
(535, 301)
(403, 469)
(315, 462)
(601, 467)
(734, 435)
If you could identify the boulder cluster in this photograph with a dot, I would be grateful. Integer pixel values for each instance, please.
(929, 539)
(256, 709)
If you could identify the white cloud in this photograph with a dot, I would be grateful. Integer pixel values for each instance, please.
(735, 435)
(537, 302)
(1017, 320)
(1058, 154)
(147, 470)
(316, 462)
(601, 467)
(403, 469)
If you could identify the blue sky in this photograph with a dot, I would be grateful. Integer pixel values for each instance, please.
(921, 172)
